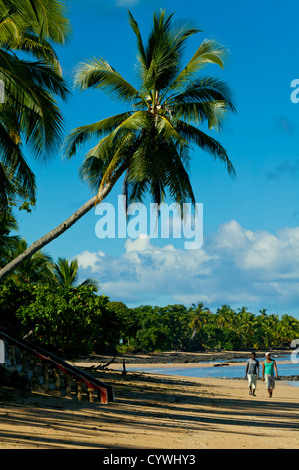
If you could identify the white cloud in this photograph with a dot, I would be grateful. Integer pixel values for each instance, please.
(86, 260)
(235, 266)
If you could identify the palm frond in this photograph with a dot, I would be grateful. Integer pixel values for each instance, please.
(140, 46)
(29, 90)
(14, 163)
(165, 127)
(46, 18)
(209, 52)
(81, 135)
(204, 89)
(211, 112)
(9, 28)
(207, 143)
(105, 158)
(39, 49)
(135, 122)
(98, 73)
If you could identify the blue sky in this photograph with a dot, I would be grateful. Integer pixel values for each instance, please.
(250, 252)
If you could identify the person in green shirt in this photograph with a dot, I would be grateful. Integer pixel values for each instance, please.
(269, 366)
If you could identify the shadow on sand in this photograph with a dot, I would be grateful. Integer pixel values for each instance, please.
(143, 403)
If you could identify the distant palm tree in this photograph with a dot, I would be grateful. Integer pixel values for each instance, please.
(66, 274)
(29, 113)
(288, 329)
(150, 144)
(225, 316)
(199, 317)
(245, 326)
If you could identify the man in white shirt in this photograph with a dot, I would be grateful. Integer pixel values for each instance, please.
(252, 373)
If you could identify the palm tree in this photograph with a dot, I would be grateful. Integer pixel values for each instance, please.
(225, 316)
(29, 114)
(272, 330)
(36, 270)
(150, 144)
(246, 326)
(66, 274)
(199, 316)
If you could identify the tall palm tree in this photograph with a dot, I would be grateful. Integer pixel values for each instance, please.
(29, 114)
(150, 144)
(66, 274)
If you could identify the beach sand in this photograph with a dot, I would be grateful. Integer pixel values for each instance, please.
(154, 412)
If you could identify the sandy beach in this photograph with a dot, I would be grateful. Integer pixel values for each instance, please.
(154, 412)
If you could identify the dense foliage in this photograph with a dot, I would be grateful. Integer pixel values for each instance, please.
(69, 321)
(73, 321)
(197, 328)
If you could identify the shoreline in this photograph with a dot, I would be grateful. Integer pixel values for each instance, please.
(178, 357)
(134, 368)
(175, 360)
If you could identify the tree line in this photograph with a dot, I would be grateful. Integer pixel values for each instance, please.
(77, 320)
(195, 328)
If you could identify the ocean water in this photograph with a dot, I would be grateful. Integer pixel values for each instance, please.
(229, 372)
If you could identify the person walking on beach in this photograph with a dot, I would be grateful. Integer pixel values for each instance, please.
(269, 365)
(252, 373)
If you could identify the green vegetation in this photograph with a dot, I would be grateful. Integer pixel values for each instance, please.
(68, 321)
(75, 320)
(177, 327)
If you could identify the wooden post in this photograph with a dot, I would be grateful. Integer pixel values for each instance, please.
(57, 382)
(91, 394)
(79, 389)
(69, 386)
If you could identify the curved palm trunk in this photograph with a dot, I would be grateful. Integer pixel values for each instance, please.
(59, 230)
